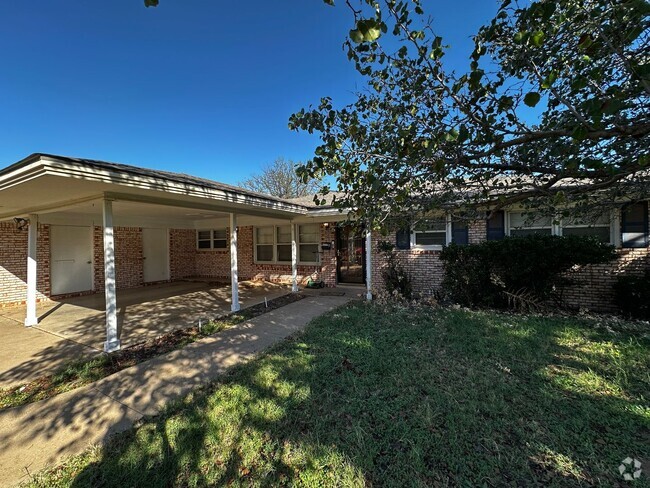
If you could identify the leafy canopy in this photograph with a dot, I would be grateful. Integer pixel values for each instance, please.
(552, 112)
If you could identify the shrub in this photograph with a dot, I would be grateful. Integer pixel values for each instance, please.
(632, 295)
(396, 279)
(517, 272)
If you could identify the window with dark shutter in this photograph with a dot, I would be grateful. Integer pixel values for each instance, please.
(403, 239)
(496, 229)
(459, 233)
(634, 225)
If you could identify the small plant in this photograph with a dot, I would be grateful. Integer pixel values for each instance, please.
(396, 280)
(632, 295)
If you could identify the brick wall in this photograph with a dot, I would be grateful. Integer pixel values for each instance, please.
(13, 264)
(215, 263)
(182, 252)
(128, 257)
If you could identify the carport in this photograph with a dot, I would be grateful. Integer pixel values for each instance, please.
(85, 199)
(75, 327)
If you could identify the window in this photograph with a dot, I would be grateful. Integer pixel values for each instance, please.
(496, 228)
(212, 239)
(264, 244)
(600, 228)
(459, 233)
(634, 225)
(308, 239)
(273, 244)
(430, 232)
(522, 224)
(283, 239)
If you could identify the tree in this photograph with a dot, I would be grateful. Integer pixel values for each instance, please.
(280, 179)
(553, 112)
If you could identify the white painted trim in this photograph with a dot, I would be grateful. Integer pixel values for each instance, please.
(368, 264)
(32, 262)
(433, 247)
(112, 338)
(234, 272)
(294, 259)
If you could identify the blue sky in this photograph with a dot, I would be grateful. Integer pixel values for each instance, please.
(197, 86)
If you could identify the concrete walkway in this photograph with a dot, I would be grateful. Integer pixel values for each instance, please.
(76, 327)
(38, 435)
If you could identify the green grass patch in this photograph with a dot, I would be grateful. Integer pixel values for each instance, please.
(376, 396)
(87, 370)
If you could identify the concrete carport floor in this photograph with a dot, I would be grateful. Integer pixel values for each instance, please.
(72, 328)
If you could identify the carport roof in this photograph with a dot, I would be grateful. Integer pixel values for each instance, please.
(139, 171)
(44, 183)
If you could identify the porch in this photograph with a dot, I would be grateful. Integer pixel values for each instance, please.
(76, 327)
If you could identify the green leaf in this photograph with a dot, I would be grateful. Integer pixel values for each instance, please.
(532, 98)
(451, 136)
(150, 3)
(549, 80)
(537, 38)
(329, 2)
(579, 133)
(519, 37)
(356, 36)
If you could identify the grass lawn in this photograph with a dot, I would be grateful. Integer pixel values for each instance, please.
(392, 397)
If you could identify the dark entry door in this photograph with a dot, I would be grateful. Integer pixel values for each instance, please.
(350, 255)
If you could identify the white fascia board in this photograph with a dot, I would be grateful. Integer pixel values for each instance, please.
(59, 168)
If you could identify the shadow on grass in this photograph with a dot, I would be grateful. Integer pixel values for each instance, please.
(367, 396)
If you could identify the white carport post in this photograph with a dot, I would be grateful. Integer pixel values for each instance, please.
(234, 278)
(32, 251)
(294, 260)
(112, 340)
(368, 263)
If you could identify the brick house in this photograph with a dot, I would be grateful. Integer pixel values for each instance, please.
(73, 226)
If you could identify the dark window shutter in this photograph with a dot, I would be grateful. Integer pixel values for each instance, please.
(634, 225)
(403, 239)
(459, 233)
(496, 229)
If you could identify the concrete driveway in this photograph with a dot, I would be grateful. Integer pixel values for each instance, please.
(74, 328)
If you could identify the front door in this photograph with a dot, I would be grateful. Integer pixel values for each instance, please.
(71, 257)
(155, 253)
(350, 255)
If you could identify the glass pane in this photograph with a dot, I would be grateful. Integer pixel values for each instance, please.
(308, 253)
(284, 234)
(204, 244)
(220, 233)
(205, 235)
(220, 243)
(264, 235)
(431, 238)
(459, 233)
(432, 225)
(284, 252)
(634, 213)
(601, 233)
(309, 233)
(601, 220)
(265, 253)
(518, 219)
(529, 232)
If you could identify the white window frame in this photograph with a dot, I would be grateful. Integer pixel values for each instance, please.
(556, 229)
(212, 239)
(508, 224)
(275, 246)
(317, 244)
(433, 247)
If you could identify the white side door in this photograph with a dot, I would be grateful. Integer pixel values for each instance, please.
(71, 251)
(155, 252)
